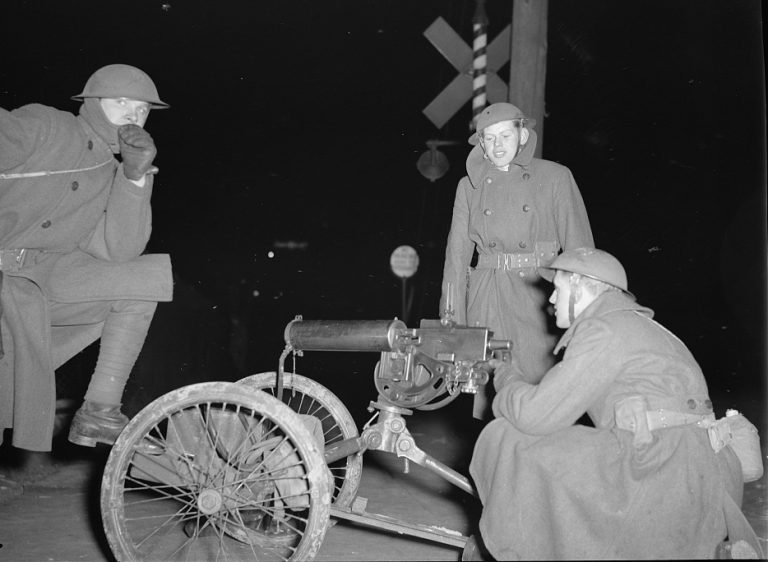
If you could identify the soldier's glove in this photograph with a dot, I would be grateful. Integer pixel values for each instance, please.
(505, 371)
(137, 150)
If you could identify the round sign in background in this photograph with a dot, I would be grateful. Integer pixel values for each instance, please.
(404, 261)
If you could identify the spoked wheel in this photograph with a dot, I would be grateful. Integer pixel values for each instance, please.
(215, 471)
(306, 396)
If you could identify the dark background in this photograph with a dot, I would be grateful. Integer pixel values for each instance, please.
(295, 127)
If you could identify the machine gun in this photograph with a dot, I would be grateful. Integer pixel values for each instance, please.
(423, 368)
(267, 468)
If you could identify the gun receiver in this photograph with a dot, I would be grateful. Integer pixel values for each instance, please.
(416, 365)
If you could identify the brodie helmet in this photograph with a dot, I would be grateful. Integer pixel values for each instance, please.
(592, 263)
(122, 81)
(495, 113)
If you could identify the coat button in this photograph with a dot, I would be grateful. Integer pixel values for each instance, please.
(526, 208)
(691, 403)
(521, 273)
(90, 145)
(75, 185)
(708, 404)
(523, 245)
(488, 180)
(526, 176)
(492, 245)
(46, 224)
(487, 212)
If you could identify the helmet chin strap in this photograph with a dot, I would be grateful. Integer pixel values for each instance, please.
(573, 281)
(571, 306)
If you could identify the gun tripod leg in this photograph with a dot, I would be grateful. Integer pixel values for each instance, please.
(391, 434)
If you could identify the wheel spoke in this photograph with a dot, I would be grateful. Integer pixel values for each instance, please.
(185, 509)
(163, 495)
(187, 543)
(250, 443)
(240, 524)
(212, 456)
(212, 472)
(308, 397)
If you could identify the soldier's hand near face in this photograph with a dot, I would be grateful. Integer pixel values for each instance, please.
(137, 150)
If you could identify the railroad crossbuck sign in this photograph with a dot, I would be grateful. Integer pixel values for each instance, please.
(459, 54)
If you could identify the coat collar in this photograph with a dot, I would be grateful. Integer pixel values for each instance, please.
(478, 167)
(93, 116)
(610, 301)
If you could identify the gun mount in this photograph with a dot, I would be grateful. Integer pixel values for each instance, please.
(267, 468)
(418, 366)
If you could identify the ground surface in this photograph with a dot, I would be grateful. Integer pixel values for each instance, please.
(54, 516)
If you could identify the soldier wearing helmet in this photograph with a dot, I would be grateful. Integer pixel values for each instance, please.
(76, 197)
(580, 276)
(645, 480)
(516, 213)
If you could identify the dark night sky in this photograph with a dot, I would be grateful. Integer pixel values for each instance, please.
(303, 121)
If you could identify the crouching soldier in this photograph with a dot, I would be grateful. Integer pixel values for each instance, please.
(75, 218)
(648, 480)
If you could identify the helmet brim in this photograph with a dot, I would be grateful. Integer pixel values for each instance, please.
(527, 122)
(549, 274)
(153, 104)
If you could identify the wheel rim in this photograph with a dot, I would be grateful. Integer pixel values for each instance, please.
(306, 396)
(217, 472)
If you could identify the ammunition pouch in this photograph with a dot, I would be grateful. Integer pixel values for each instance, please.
(632, 414)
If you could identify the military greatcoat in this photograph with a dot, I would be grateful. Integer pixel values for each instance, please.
(553, 489)
(516, 221)
(83, 226)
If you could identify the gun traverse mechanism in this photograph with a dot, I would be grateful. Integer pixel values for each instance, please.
(417, 365)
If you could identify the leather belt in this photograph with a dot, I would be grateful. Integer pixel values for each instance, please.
(507, 262)
(659, 419)
(12, 260)
(632, 414)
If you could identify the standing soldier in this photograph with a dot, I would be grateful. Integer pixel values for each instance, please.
(518, 212)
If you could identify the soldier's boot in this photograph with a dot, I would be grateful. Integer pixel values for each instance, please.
(99, 419)
(96, 423)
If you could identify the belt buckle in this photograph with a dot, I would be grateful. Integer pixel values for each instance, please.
(15, 263)
(508, 262)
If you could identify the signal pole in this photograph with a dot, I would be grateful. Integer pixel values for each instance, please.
(528, 60)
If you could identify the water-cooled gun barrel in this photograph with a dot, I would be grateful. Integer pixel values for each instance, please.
(347, 335)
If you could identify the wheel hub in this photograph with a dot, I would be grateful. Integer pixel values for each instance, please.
(209, 501)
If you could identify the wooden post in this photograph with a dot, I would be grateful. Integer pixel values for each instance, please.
(528, 61)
